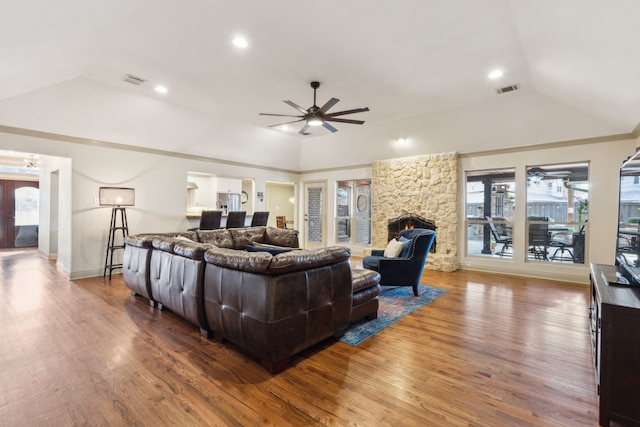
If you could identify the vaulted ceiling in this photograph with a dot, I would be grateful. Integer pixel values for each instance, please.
(421, 66)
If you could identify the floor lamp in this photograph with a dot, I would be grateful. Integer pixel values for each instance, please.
(117, 198)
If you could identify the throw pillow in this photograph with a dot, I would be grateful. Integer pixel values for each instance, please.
(393, 249)
(406, 247)
(184, 239)
(272, 251)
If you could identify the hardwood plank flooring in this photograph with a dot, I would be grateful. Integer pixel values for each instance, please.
(494, 351)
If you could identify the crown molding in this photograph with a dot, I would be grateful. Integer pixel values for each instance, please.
(545, 146)
(634, 134)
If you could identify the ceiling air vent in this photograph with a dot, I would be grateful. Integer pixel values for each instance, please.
(508, 89)
(130, 78)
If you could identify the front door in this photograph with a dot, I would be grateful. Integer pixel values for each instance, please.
(314, 214)
(18, 214)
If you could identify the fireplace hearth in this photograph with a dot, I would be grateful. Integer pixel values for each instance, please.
(407, 221)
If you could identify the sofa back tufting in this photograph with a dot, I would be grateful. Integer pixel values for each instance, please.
(271, 305)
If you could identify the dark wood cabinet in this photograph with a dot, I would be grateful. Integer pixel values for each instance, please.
(615, 336)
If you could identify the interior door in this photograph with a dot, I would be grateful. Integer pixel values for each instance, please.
(315, 224)
(19, 214)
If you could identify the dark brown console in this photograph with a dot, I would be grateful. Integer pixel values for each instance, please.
(615, 336)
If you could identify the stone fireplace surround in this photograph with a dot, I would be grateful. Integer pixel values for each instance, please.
(425, 185)
(412, 220)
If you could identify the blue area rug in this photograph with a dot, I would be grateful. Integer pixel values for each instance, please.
(395, 303)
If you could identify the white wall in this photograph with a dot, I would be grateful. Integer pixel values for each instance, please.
(488, 125)
(54, 238)
(159, 180)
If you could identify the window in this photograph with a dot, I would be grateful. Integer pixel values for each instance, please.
(556, 220)
(353, 212)
(26, 206)
(490, 204)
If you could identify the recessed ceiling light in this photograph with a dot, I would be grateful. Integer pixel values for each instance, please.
(240, 41)
(161, 89)
(495, 74)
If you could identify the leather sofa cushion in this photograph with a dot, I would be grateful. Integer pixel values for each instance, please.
(139, 241)
(164, 243)
(254, 262)
(191, 250)
(281, 237)
(364, 296)
(219, 238)
(247, 236)
(145, 240)
(191, 235)
(363, 279)
(308, 258)
(182, 247)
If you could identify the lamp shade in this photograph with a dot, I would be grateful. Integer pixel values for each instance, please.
(117, 196)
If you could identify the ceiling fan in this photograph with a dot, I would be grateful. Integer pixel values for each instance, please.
(318, 116)
(538, 174)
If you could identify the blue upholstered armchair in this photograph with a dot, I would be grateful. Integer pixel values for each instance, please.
(403, 271)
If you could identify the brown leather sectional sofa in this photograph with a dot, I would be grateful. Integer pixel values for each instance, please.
(273, 306)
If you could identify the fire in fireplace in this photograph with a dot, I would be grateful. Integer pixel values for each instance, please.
(407, 221)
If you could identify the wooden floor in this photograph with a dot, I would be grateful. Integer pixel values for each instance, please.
(494, 351)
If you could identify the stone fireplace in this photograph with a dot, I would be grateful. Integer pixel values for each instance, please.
(425, 186)
(409, 221)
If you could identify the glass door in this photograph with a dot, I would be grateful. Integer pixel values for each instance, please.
(19, 214)
(314, 214)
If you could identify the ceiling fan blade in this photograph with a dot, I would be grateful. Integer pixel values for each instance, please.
(296, 106)
(285, 123)
(330, 103)
(304, 129)
(328, 126)
(333, 119)
(278, 115)
(355, 110)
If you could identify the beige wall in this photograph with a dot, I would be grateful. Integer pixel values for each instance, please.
(604, 160)
(160, 179)
(277, 201)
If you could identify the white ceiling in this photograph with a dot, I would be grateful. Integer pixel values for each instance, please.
(421, 66)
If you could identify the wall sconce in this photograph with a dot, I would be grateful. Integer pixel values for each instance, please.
(260, 195)
(292, 200)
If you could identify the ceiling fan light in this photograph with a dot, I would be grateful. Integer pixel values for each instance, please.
(314, 121)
